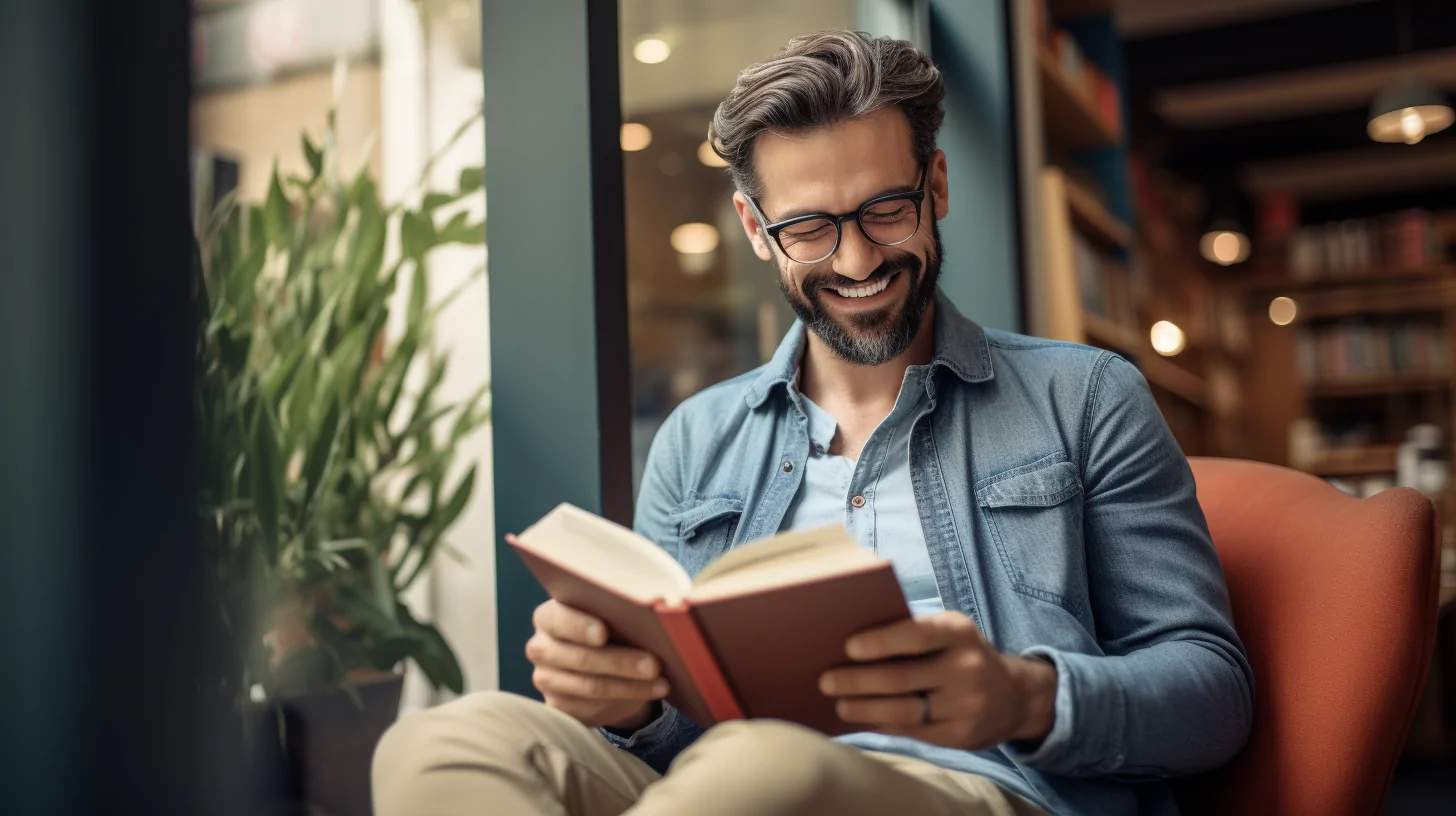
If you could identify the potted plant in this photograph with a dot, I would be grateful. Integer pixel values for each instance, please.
(327, 479)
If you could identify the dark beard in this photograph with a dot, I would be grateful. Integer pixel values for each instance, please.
(877, 337)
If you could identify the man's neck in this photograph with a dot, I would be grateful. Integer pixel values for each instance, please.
(825, 378)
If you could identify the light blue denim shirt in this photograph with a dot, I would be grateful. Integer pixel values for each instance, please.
(872, 496)
(1058, 514)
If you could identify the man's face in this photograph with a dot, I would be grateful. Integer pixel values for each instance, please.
(866, 301)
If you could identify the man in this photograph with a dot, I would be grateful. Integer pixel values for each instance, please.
(1072, 645)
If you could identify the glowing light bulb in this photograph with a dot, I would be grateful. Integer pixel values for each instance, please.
(1282, 311)
(695, 238)
(708, 157)
(636, 136)
(1225, 247)
(651, 50)
(1167, 338)
(1412, 125)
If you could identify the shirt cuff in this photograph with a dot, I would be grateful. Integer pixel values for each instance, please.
(1058, 741)
(648, 734)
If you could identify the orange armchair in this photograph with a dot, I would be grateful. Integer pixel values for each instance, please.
(1335, 600)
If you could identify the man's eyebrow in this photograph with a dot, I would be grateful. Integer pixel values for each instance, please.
(797, 212)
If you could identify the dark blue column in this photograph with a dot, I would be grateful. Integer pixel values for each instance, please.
(969, 42)
(558, 317)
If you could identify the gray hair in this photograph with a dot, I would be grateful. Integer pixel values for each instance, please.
(822, 79)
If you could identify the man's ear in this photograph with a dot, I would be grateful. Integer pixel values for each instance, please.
(939, 185)
(751, 228)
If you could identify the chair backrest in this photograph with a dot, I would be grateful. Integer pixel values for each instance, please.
(1335, 600)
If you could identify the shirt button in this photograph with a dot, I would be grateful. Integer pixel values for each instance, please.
(788, 467)
(858, 501)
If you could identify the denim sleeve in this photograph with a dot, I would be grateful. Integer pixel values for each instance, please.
(1173, 693)
(658, 742)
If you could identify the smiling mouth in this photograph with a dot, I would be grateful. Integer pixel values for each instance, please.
(864, 289)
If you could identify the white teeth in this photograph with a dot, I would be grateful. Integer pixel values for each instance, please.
(865, 290)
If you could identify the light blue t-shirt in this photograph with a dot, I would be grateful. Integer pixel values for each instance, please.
(887, 520)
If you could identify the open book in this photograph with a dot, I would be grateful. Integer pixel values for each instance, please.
(749, 637)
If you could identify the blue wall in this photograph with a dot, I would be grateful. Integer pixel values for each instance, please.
(968, 41)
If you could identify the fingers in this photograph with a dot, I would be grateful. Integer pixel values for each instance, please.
(903, 677)
(596, 687)
(572, 625)
(883, 712)
(611, 661)
(916, 636)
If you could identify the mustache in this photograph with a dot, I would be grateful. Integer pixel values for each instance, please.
(827, 279)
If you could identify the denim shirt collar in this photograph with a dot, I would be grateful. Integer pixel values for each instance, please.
(960, 346)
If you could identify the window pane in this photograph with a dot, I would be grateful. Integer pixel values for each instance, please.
(703, 307)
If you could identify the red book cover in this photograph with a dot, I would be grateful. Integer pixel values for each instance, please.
(750, 640)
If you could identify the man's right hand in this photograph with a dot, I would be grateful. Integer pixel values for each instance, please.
(579, 674)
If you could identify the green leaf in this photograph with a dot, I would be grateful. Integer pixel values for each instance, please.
(439, 523)
(344, 545)
(367, 613)
(472, 179)
(382, 582)
(457, 502)
(434, 201)
(316, 463)
(435, 658)
(417, 234)
(315, 158)
(277, 214)
(243, 278)
(461, 231)
(267, 469)
(221, 214)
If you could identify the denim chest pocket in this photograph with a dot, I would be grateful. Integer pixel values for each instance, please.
(1034, 514)
(705, 529)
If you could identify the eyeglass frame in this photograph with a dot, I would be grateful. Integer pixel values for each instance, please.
(917, 196)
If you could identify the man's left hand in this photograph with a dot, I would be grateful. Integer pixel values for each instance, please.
(975, 696)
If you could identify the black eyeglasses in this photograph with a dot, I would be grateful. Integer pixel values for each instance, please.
(888, 220)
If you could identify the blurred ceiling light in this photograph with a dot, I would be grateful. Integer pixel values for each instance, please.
(707, 156)
(695, 244)
(651, 50)
(694, 238)
(1408, 110)
(1282, 311)
(1225, 245)
(1167, 338)
(635, 136)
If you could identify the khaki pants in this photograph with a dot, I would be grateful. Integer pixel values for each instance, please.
(496, 753)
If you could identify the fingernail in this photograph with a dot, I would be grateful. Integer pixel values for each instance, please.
(646, 667)
(596, 633)
(659, 688)
(826, 684)
(854, 648)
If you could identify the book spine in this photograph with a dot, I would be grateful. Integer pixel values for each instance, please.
(687, 638)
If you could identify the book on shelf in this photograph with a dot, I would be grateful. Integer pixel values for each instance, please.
(1360, 349)
(1103, 284)
(749, 636)
(1403, 240)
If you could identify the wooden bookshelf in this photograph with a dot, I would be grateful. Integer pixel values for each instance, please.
(1283, 283)
(1364, 461)
(1094, 220)
(1072, 9)
(1069, 111)
(1102, 332)
(1378, 386)
(1175, 379)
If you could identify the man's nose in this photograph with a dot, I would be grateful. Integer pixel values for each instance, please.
(857, 256)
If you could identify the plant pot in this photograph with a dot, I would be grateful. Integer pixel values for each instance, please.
(327, 744)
